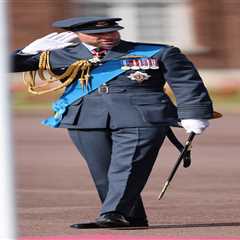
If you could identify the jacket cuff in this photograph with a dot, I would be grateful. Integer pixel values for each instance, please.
(195, 112)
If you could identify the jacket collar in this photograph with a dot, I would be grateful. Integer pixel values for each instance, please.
(118, 51)
(81, 52)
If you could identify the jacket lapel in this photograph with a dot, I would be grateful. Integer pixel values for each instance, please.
(81, 52)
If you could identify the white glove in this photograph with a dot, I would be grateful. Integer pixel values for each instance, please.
(195, 125)
(49, 42)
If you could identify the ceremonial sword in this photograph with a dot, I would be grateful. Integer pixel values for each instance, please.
(180, 158)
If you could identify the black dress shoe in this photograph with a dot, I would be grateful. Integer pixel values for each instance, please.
(87, 225)
(112, 220)
(133, 222)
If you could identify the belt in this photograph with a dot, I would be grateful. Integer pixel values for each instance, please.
(106, 89)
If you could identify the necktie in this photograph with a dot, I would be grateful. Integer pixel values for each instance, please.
(99, 52)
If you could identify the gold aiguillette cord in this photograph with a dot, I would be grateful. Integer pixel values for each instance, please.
(29, 78)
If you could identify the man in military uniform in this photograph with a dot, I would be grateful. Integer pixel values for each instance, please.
(118, 114)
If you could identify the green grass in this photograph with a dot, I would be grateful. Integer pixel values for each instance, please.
(226, 102)
(22, 101)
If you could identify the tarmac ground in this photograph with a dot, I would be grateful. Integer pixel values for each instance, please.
(54, 188)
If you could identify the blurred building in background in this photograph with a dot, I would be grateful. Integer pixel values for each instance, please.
(207, 31)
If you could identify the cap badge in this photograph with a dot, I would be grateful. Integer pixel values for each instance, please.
(139, 76)
(102, 24)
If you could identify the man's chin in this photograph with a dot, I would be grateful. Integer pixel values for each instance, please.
(109, 45)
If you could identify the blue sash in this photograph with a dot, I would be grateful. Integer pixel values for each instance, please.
(99, 76)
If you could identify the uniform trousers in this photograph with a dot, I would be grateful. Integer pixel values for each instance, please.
(120, 162)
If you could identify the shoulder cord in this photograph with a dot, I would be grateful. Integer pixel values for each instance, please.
(67, 77)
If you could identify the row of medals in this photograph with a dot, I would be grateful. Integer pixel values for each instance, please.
(142, 63)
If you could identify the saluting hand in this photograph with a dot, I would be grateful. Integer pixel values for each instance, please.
(195, 125)
(49, 42)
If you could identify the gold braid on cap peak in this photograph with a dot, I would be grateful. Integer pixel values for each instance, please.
(67, 77)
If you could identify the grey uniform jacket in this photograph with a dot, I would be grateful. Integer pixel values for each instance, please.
(129, 103)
